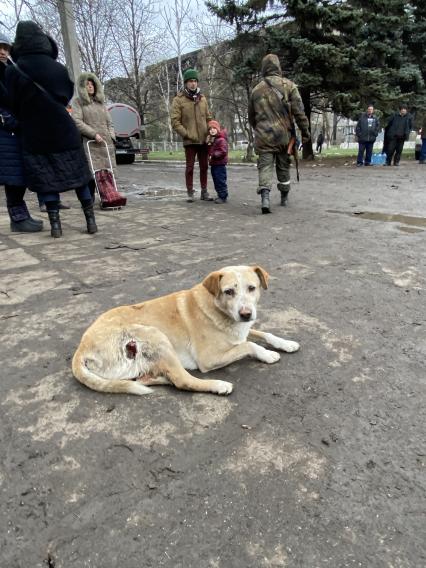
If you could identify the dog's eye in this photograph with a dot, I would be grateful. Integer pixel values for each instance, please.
(251, 288)
(230, 292)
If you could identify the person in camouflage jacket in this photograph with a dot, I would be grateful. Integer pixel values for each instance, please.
(274, 103)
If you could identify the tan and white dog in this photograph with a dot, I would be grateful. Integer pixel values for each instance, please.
(152, 343)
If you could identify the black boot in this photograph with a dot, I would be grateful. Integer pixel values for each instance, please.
(21, 220)
(89, 213)
(55, 223)
(26, 226)
(284, 196)
(266, 204)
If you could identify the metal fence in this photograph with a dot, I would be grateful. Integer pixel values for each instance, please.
(166, 146)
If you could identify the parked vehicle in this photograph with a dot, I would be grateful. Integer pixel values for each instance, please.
(127, 125)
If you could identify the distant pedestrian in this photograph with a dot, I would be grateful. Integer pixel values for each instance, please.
(40, 89)
(366, 131)
(217, 142)
(12, 174)
(422, 158)
(189, 117)
(273, 105)
(320, 142)
(397, 131)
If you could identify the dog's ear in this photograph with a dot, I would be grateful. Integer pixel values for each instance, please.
(263, 276)
(211, 282)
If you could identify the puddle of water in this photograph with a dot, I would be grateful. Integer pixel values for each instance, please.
(157, 192)
(410, 229)
(374, 216)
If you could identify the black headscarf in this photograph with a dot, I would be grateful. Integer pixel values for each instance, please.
(31, 39)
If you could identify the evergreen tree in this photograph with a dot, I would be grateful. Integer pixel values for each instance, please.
(415, 37)
(385, 67)
(307, 35)
(346, 52)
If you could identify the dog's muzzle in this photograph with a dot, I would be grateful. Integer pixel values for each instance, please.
(245, 315)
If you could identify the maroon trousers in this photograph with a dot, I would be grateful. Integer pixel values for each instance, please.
(201, 151)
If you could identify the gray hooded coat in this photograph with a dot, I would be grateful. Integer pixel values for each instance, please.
(92, 117)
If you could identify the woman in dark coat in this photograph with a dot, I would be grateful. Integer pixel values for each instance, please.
(11, 164)
(40, 89)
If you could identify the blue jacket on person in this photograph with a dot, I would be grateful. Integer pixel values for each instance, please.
(11, 160)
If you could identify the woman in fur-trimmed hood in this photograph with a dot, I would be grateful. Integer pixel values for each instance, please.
(93, 120)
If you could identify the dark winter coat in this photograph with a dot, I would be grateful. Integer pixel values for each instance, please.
(189, 117)
(266, 114)
(218, 148)
(11, 162)
(367, 128)
(398, 126)
(92, 117)
(54, 158)
(423, 127)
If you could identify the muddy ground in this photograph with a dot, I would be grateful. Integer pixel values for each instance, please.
(315, 461)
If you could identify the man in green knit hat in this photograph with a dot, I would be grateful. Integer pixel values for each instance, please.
(189, 116)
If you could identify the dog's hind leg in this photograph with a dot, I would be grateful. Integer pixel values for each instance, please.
(149, 380)
(171, 368)
(274, 341)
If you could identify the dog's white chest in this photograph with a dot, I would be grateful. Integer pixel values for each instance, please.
(241, 331)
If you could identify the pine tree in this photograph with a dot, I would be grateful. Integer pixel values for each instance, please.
(346, 52)
(308, 36)
(386, 69)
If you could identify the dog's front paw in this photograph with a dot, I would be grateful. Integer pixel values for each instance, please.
(282, 344)
(222, 387)
(289, 346)
(267, 356)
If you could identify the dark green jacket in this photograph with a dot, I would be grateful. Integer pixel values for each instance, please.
(266, 115)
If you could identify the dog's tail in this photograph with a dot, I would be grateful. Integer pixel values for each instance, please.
(101, 384)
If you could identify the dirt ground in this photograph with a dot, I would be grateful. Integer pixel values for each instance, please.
(315, 461)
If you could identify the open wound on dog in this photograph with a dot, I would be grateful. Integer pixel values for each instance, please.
(131, 349)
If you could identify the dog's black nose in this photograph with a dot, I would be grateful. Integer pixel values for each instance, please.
(245, 315)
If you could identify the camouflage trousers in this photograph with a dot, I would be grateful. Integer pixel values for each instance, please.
(265, 166)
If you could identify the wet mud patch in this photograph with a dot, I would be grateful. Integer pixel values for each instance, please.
(153, 193)
(409, 224)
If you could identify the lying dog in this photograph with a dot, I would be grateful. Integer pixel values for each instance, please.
(152, 343)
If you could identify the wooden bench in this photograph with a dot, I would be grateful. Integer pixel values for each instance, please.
(144, 153)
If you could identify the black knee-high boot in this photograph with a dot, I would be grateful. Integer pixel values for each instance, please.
(54, 218)
(89, 213)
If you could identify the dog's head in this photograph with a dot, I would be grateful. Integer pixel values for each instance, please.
(237, 289)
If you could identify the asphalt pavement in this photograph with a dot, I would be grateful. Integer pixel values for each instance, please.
(315, 461)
